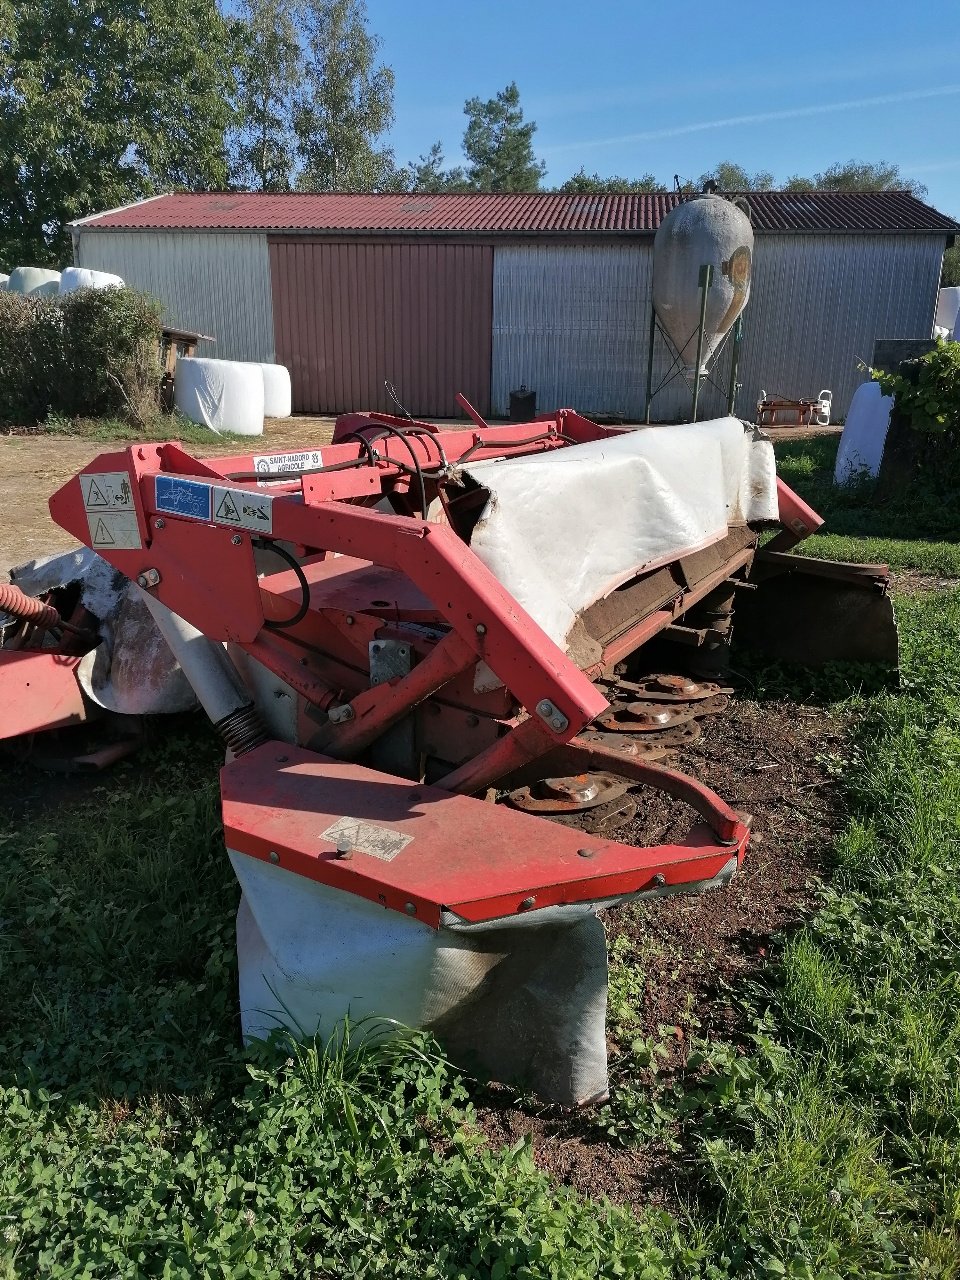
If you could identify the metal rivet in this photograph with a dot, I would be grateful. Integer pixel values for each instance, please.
(410, 909)
(236, 540)
(274, 856)
(481, 629)
(586, 853)
(159, 524)
(349, 619)
(659, 879)
(527, 903)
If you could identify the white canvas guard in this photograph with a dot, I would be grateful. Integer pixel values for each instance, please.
(565, 528)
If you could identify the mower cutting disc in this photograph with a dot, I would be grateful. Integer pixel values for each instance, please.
(568, 795)
(668, 688)
(645, 717)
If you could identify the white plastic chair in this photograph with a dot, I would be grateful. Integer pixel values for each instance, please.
(824, 408)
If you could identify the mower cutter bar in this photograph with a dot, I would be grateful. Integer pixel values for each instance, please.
(421, 850)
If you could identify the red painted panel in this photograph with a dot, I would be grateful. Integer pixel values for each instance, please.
(349, 315)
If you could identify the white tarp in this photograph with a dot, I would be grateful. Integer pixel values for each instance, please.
(74, 278)
(277, 393)
(563, 529)
(864, 434)
(948, 309)
(224, 395)
(131, 671)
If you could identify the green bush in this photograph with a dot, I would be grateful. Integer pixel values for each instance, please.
(927, 390)
(93, 353)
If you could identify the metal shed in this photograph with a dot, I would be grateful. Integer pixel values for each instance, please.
(480, 293)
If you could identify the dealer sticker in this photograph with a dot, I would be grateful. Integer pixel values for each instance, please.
(366, 837)
(276, 464)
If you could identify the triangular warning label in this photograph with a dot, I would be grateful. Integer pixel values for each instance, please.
(95, 497)
(102, 537)
(227, 510)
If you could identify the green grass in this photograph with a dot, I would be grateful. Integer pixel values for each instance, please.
(918, 531)
(138, 1139)
(168, 426)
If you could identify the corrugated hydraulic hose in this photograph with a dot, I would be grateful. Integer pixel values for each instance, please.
(27, 608)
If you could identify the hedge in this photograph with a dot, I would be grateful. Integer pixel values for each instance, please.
(92, 353)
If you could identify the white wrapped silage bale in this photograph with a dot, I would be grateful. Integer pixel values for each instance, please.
(277, 394)
(864, 434)
(224, 395)
(40, 281)
(74, 278)
(4, 281)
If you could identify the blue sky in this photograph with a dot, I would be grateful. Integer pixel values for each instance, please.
(670, 88)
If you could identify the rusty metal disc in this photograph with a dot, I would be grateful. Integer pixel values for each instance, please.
(568, 795)
(670, 688)
(712, 706)
(634, 746)
(680, 735)
(610, 817)
(644, 717)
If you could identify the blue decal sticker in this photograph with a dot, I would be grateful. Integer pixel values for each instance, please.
(183, 497)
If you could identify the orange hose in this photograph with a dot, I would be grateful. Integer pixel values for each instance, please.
(13, 600)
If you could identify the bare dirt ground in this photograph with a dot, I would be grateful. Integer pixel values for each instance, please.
(766, 759)
(33, 466)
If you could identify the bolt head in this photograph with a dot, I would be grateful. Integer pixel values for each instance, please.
(274, 856)
(544, 708)
(557, 723)
(586, 853)
(236, 540)
(527, 903)
(481, 629)
(349, 619)
(410, 909)
(659, 879)
(159, 524)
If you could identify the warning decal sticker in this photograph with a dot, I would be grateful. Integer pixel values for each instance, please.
(107, 491)
(366, 837)
(114, 530)
(252, 511)
(179, 497)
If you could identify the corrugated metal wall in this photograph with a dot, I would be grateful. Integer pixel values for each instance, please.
(350, 314)
(572, 322)
(211, 282)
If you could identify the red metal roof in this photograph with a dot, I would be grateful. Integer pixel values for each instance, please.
(514, 213)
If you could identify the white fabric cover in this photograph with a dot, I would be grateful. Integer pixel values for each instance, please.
(224, 395)
(74, 278)
(277, 393)
(864, 434)
(563, 529)
(36, 280)
(948, 308)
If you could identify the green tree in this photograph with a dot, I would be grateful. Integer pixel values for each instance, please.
(102, 104)
(344, 103)
(592, 182)
(499, 145)
(733, 177)
(858, 175)
(263, 142)
(428, 174)
(951, 267)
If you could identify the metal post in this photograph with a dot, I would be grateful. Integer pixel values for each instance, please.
(706, 276)
(735, 364)
(653, 330)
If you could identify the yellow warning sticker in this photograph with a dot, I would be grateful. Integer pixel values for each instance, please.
(240, 507)
(107, 491)
(114, 531)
